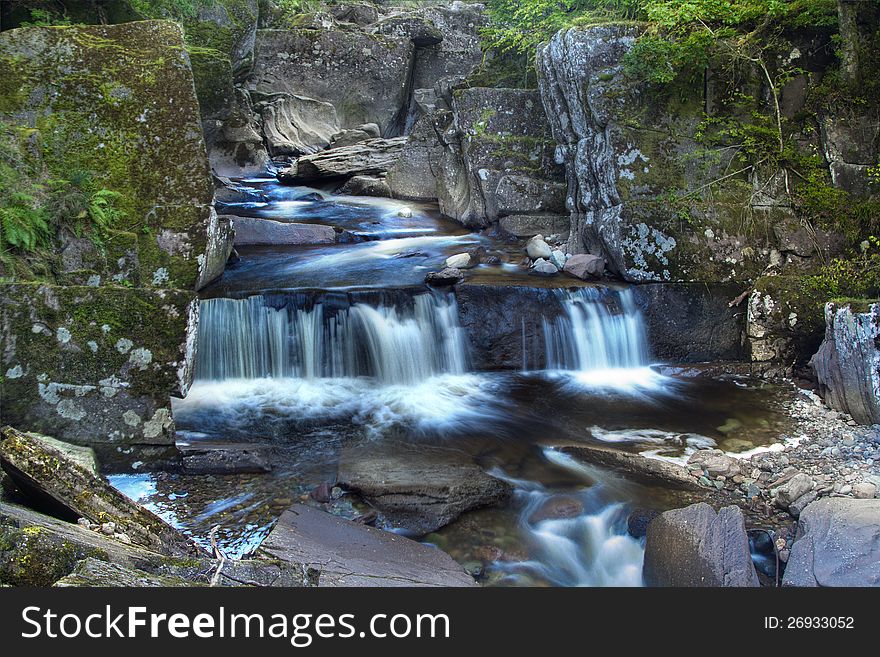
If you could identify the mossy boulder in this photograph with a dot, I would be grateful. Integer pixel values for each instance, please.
(52, 477)
(110, 355)
(118, 101)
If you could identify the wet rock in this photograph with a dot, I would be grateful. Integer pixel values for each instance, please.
(639, 468)
(365, 186)
(800, 484)
(252, 230)
(447, 276)
(585, 266)
(836, 544)
(538, 248)
(847, 361)
(557, 258)
(369, 157)
(715, 463)
(638, 521)
(418, 488)
(543, 267)
(351, 554)
(695, 546)
(226, 458)
(459, 261)
(57, 481)
(322, 493)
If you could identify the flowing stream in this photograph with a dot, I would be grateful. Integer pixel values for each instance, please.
(310, 349)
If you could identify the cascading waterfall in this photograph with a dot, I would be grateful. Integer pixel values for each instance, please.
(247, 339)
(589, 336)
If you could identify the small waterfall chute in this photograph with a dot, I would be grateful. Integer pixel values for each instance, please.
(248, 339)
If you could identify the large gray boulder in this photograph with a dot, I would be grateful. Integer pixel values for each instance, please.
(364, 76)
(695, 546)
(848, 361)
(837, 544)
(367, 158)
(297, 125)
(350, 554)
(418, 488)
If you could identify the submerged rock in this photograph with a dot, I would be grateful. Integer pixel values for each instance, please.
(417, 487)
(60, 481)
(837, 544)
(444, 277)
(695, 546)
(640, 468)
(226, 458)
(350, 554)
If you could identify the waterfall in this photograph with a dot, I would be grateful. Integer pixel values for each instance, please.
(248, 339)
(589, 336)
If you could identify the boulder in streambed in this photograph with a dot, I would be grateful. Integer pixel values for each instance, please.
(585, 266)
(351, 554)
(444, 277)
(365, 186)
(543, 267)
(366, 158)
(837, 544)
(459, 261)
(537, 248)
(637, 467)
(253, 231)
(695, 546)
(62, 480)
(418, 488)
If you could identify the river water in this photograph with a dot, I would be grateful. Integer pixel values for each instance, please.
(308, 350)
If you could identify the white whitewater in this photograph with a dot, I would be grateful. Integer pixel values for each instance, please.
(246, 339)
(590, 335)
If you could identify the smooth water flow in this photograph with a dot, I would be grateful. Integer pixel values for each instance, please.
(247, 339)
(589, 336)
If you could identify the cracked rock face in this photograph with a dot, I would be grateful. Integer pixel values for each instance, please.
(627, 147)
(848, 362)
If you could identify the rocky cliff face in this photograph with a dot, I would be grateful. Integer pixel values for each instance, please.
(848, 361)
(109, 334)
(643, 191)
(489, 156)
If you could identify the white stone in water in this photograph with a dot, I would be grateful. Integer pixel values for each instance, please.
(458, 261)
(405, 212)
(537, 248)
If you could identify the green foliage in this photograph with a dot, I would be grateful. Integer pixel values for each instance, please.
(34, 210)
(857, 277)
(44, 17)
